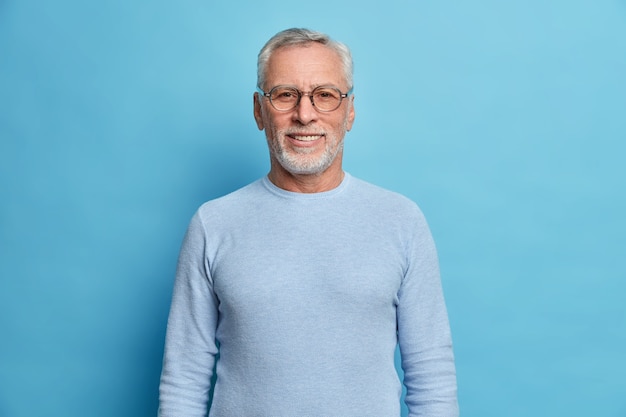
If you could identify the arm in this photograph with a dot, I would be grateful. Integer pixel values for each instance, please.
(190, 346)
(424, 333)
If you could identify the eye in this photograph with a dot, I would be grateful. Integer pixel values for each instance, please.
(284, 94)
(327, 94)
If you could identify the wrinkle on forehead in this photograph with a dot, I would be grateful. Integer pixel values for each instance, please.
(305, 67)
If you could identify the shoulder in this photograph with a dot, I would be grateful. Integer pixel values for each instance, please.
(236, 198)
(381, 198)
(230, 206)
(393, 213)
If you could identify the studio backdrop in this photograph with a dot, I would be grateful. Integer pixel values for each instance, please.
(504, 120)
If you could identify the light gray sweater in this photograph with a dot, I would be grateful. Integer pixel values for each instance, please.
(301, 300)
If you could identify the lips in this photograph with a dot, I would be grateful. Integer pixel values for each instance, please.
(305, 138)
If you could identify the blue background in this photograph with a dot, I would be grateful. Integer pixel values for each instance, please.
(504, 120)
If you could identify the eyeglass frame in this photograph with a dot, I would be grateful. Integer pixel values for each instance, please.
(302, 94)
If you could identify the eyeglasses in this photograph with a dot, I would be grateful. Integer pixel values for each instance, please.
(324, 99)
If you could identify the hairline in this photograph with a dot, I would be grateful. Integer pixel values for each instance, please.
(299, 37)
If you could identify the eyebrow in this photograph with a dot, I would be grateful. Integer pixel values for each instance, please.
(304, 91)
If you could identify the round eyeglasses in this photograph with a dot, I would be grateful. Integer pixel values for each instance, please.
(324, 99)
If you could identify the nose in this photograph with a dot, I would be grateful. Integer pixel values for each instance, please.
(305, 112)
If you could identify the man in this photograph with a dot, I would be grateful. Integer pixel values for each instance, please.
(299, 286)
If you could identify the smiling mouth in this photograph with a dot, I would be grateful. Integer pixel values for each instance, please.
(306, 138)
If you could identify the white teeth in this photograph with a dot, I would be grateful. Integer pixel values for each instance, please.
(306, 138)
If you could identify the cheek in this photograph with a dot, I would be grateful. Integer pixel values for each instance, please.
(344, 124)
(272, 127)
(276, 122)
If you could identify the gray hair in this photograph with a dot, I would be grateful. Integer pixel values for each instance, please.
(302, 37)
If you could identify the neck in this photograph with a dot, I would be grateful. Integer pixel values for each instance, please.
(307, 183)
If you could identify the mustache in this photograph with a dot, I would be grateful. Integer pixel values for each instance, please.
(301, 131)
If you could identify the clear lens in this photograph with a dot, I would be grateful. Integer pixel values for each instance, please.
(326, 99)
(284, 98)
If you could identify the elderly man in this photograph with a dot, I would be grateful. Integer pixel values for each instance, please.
(297, 288)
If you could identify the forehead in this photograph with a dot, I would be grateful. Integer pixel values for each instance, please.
(305, 66)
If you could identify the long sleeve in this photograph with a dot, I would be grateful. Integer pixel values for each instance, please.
(190, 346)
(424, 333)
(307, 298)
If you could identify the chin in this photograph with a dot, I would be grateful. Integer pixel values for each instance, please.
(299, 164)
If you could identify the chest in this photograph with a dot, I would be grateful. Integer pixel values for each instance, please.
(274, 268)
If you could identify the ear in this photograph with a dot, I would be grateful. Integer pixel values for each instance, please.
(351, 114)
(258, 116)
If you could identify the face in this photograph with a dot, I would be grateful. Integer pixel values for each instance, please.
(304, 141)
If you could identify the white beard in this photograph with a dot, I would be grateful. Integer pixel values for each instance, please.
(298, 161)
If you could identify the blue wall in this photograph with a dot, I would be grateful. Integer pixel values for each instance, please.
(505, 121)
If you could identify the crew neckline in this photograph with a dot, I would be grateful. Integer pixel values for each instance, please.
(270, 186)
